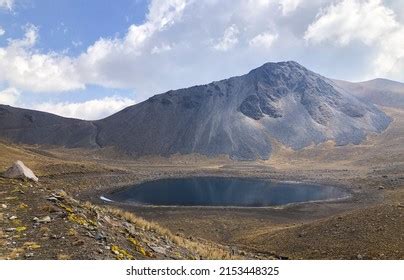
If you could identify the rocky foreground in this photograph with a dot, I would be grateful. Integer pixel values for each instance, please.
(40, 223)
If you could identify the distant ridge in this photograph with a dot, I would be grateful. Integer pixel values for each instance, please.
(378, 91)
(34, 127)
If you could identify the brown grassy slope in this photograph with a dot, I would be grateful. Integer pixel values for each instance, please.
(42, 162)
(372, 233)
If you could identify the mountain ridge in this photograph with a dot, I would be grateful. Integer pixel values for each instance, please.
(379, 91)
(239, 117)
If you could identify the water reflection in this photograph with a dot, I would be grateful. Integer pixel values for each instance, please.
(214, 191)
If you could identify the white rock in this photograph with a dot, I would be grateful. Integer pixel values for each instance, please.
(44, 220)
(19, 170)
(159, 250)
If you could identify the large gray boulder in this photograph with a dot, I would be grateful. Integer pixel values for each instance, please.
(19, 170)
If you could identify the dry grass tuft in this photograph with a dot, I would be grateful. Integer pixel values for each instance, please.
(205, 250)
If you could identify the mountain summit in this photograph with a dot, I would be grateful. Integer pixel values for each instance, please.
(238, 117)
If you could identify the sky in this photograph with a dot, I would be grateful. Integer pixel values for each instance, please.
(90, 59)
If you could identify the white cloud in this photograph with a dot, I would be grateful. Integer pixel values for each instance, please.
(2, 31)
(390, 57)
(369, 22)
(160, 49)
(185, 42)
(114, 62)
(176, 46)
(288, 6)
(348, 20)
(7, 4)
(260, 3)
(24, 68)
(29, 40)
(9, 96)
(229, 39)
(264, 40)
(88, 110)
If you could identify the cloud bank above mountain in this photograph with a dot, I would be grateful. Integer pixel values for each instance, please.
(185, 42)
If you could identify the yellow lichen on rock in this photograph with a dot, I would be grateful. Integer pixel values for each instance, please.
(77, 219)
(139, 248)
(72, 232)
(19, 229)
(120, 253)
(80, 220)
(68, 209)
(32, 245)
(22, 206)
(61, 193)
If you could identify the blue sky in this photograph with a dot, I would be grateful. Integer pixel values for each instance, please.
(65, 22)
(88, 59)
(69, 27)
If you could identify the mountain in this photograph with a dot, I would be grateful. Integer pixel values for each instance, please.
(34, 127)
(238, 117)
(378, 91)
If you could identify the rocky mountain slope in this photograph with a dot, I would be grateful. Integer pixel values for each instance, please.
(238, 117)
(34, 127)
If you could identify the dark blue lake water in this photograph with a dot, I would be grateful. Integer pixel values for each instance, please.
(215, 191)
